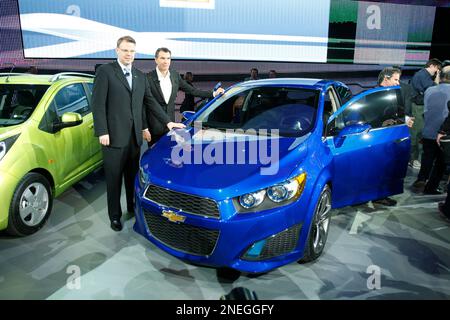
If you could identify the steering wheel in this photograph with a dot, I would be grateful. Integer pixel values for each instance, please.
(21, 112)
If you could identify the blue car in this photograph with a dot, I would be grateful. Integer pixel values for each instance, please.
(250, 182)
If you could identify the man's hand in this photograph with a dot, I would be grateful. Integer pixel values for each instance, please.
(146, 135)
(439, 137)
(177, 125)
(218, 91)
(104, 140)
(409, 121)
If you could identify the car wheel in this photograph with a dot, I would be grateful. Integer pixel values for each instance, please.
(318, 232)
(30, 206)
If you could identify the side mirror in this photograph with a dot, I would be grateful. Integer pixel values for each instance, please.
(68, 119)
(188, 115)
(355, 128)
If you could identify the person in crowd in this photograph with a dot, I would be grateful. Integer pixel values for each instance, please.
(188, 103)
(444, 207)
(32, 70)
(272, 74)
(164, 84)
(121, 98)
(388, 77)
(421, 81)
(254, 75)
(435, 113)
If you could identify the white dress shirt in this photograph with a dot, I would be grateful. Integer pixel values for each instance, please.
(166, 84)
(127, 69)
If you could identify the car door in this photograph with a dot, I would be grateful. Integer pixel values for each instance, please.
(72, 144)
(370, 146)
(95, 149)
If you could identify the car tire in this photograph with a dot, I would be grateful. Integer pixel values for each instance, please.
(318, 231)
(30, 206)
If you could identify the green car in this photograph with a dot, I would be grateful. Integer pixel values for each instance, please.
(47, 144)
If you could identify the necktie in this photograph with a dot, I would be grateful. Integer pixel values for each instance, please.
(127, 73)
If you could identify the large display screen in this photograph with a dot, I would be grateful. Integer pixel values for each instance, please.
(341, 31)
(284, 30)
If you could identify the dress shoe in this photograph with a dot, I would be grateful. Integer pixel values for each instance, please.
(442, 212)
(386, 202)
(116, 225)
(432, 192)
(419, 184)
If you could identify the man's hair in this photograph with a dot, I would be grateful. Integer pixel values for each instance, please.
(126, 39)
(254, 69)
(434, 62)
(388, 73)
(163, 49)
(445, 76)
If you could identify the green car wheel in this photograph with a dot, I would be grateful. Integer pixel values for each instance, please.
(30, 206)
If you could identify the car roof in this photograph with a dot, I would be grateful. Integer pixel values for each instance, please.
(302, 82)
(43, 79)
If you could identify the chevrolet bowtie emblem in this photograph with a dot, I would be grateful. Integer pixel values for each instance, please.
(172, 216)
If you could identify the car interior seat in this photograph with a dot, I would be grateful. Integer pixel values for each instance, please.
(25, 101)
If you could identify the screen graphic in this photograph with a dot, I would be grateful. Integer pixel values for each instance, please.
(250, 30)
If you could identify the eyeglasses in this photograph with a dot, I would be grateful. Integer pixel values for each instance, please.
(127, 51)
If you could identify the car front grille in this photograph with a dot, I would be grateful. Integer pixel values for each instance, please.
(182, 237)
(182, 201)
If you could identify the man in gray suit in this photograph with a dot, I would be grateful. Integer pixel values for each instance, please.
(121, 99)
(164, 84)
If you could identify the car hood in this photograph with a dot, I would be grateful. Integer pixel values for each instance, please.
(186, 164)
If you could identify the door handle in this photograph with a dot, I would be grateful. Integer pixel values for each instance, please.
(401, 140)
(91, 126)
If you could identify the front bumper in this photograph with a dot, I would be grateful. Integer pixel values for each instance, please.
(8, 184)
(223, 242)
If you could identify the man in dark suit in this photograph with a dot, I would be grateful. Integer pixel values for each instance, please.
(121, 98)
(164, 84)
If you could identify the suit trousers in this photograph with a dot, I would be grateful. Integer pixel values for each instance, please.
(433, 165)
(416, 132)
(118, 163)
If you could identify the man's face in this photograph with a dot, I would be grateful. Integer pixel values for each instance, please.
(434, 69)
(163, 61)
(394, 80)
(125, 52)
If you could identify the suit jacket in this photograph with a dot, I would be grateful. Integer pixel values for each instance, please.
(156, 126)
(119, 110)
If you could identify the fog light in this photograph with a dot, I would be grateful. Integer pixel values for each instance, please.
(279, 244)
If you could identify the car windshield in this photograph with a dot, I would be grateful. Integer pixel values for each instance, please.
(18, 101)
(292, 111)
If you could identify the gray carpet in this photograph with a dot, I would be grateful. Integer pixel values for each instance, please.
(407, 246)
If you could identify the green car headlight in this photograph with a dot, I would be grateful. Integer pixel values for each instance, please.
(274, 196)
(6, 145)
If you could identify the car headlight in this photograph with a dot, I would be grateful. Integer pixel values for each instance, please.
(6, 144)
(251, 200)
(284, 191)
(278, 195)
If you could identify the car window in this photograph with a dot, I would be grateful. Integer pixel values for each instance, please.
(290, 110)
(71, 98)
(330, 106)
(343, 93)
(379, 109)
(17, 102)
